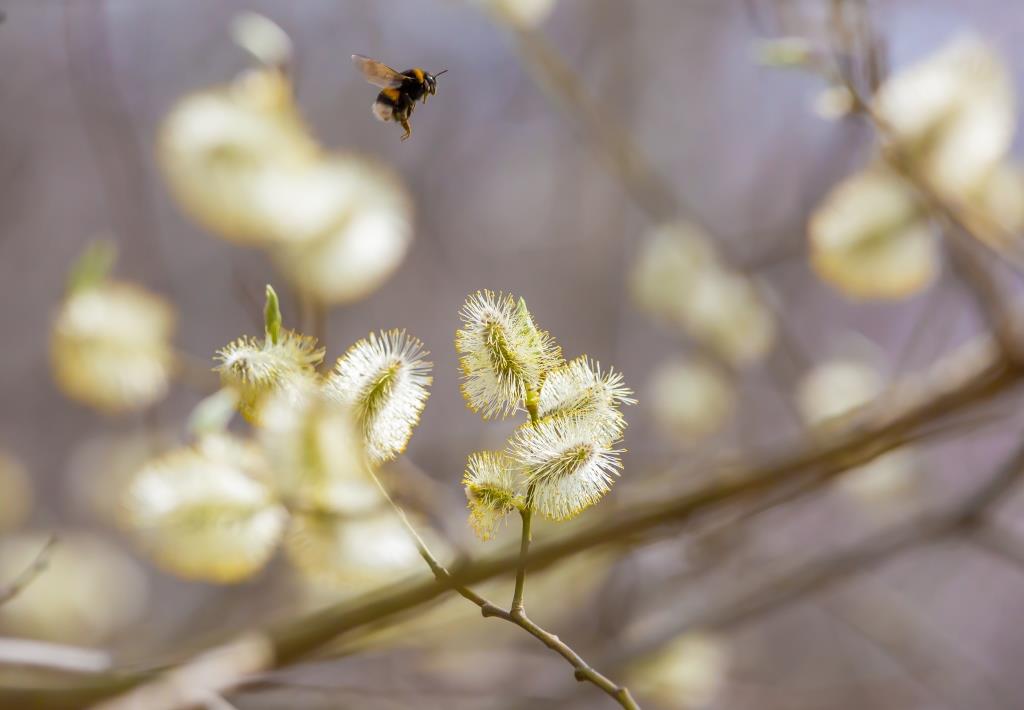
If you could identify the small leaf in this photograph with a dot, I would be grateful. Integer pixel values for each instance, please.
(93, 266)
(784, 52)
(272, 316)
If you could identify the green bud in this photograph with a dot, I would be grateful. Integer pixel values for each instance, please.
(523, 312)
(783, 52)
(93, 266)
(272, 316)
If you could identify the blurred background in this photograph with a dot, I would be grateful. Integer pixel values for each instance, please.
(512, 192)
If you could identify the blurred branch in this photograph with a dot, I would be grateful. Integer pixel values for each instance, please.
(41, 654)
(809, 577)
(562, 88)
(972, 374)
(997, 540)
(643, 182)
(213, 701)
(117, 152)
(203, 677)
(927, 657)
(29, 574)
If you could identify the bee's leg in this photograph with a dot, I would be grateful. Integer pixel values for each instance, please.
(402, 114)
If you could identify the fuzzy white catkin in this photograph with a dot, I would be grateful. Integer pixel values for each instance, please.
(316, 454)
(241, 161)
(493, 487)
(952, 112)
(579, 389)
(207, 512)
(110, 346)
(258, 367)
(690, 400)
(385, 379)
(870, 239)
(504, 356)
(680, 281)
(568, 462)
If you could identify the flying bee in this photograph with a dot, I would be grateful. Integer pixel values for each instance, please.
(400, 91)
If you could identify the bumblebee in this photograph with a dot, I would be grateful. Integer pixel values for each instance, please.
(400, 91)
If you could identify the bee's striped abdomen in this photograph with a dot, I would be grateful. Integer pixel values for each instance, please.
(385, 104)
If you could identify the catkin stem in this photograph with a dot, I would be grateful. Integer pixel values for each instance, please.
(516, 615)
(532, 401)
(524, 549)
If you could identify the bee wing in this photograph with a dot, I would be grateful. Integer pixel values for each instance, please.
(377, 73)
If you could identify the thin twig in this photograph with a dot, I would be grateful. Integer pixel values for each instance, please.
(17, 585)
(526, 516)
(584, 671)
(516, 615)
(524, 549)
(517, 611)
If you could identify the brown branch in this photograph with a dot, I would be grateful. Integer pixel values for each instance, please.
(17, 585)
(52, 656)
(965, 378)
(584, 671)
(913, 642)
(209, 673)
(644, 184)
(1000, 542)
(809, 577)
(516, 613)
